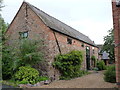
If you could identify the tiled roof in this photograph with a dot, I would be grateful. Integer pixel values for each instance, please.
(59, 26)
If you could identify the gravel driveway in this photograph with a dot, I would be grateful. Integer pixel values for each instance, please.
(93, 80)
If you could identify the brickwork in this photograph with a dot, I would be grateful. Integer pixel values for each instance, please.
(116, 23)
(27, 20)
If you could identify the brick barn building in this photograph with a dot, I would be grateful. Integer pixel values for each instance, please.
(31, 22)
(116, 23)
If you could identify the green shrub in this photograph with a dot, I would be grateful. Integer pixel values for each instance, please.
(110, 74)
(23, 82)
(69, 64)
(93, 58)
(101, 65)
(80, 73)
(83, 72)
(95, 69)
(10, 62)
(27, 74)
(43, 78)
(27, 52)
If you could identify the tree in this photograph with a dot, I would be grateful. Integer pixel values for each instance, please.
(0, 43)
(3, 28)
(30, 51)
(109, 45)
(1, 4)
(3, 25)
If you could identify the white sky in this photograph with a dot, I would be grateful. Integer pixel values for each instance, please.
(91, 17)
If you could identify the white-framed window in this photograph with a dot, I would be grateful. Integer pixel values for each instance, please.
(23, 34)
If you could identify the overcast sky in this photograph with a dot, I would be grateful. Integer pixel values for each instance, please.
(91, 17)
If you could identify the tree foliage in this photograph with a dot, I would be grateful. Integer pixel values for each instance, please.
(29, 51)
(1, 4)
(109, 44)
(9, 62)
(3, 28)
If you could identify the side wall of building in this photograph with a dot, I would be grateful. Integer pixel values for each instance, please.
(116, 23)
(65, 48)
(27, 20)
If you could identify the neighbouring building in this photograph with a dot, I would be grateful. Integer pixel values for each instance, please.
(116, 24)
(31, 22)
(99, 51)
(103, 55)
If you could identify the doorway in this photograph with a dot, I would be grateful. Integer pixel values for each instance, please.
(88, 58)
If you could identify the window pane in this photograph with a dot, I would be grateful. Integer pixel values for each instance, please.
(69, 40)
(25, 34)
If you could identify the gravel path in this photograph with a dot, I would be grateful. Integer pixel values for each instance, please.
(93, 80)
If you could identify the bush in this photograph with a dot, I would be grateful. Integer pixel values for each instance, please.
(93, 58)
(95, 69)
(43, 78)
(10, 62)
(29, 52)
(110, 74)
(23, 82)
(27, 74)
(101, 65)
(26, 53)
(69, 64)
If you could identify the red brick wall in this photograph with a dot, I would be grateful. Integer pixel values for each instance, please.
(38, 30)
(116, 23)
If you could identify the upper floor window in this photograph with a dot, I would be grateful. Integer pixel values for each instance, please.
(23, 34)
(69, 41)
(82, 44)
